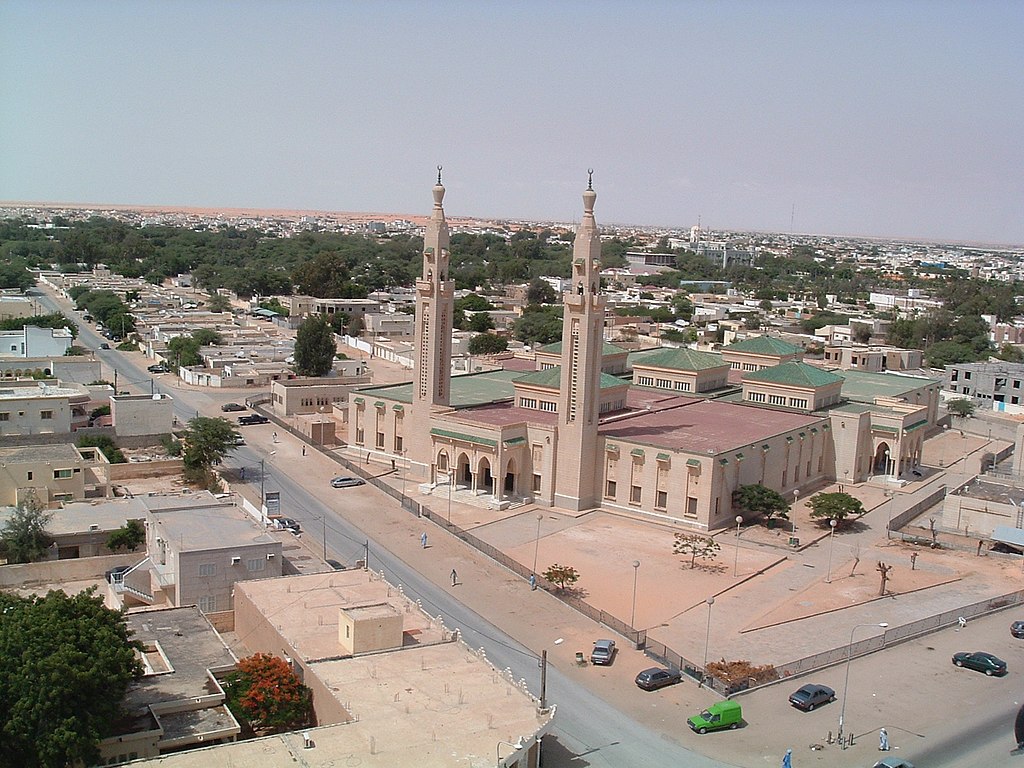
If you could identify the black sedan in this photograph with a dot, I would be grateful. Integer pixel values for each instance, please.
(811, 696)
(1017, 629)
(656, 677)
(980, 661)
(227, 407)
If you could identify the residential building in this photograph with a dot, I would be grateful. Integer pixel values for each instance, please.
(993, 385)
(31, 341)
(300, 306)
(52, 473)
(39, 407)
(136, 415)
(875, 359)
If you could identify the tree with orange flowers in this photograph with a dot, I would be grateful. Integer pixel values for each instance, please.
(266, 692)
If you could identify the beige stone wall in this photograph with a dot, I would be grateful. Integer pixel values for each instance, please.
(135, 415)
(119, 473)
(192, 587)
(35, 416)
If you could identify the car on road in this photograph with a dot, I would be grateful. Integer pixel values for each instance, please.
(158, 368)
(232, 407)
(980, 661)
(104, 345)
(811, 696)
(893, 762)
(657, 677)
(1017, 629)
(603, 653)
(345, 481)
(238, 440)
(253, 418)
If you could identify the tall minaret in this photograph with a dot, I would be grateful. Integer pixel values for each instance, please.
(577, 473)
(434, 308)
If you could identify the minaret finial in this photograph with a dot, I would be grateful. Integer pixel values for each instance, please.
(439, 175)
(590, 178)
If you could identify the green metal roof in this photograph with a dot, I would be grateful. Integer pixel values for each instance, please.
(662, 457)
(637, 452)
(472, 389)
(551, 378)
(794, 375)
(464, 437)
(682, 359)
(606, 349)
(764, 345)
(864, 387)
(515, 441)
(693, 462)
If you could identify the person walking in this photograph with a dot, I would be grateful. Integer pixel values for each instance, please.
(533, 581)
(787, 759)
(423, 540)
(275, 437)
(303, 450)
(883, 741)
(455, 578)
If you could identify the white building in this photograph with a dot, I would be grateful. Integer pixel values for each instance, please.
(31, 341)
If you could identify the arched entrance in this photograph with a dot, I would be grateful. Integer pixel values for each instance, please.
(881, 462)
(485, 482)
(465, 472)
(509, 485)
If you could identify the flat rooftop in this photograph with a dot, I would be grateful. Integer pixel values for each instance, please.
(202, 527)
(864, 387)
(707, 427)
(469, 390)
(181, 646)
(77, 517)
(55, 452)
(305, 609)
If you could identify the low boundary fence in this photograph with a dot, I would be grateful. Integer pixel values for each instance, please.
(639, 637)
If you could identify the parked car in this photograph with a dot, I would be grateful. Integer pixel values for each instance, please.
(811, 696)
(603, 653)
(893, 762)
(104, 345)
(1017, 629)
(238, 440)
(288, 524)
(721, 714)
(253, 418)
(158, 368)
(658, 677)
(980, 661)
(347, 482)
(232, 407)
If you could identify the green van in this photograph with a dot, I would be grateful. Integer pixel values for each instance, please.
(722, 714)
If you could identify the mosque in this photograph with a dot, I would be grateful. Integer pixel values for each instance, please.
(671, 438)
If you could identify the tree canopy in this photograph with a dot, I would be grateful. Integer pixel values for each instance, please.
(206, 441)
(67, 663)
(314, 347)
(834, 506)
(24, 538)
(759, 500)
(266, 692)
(487, 344)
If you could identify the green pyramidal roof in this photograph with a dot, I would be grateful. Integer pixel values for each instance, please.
(556, 349)
(552, 378)
(794, 374)
(680, 359)
(764, 345)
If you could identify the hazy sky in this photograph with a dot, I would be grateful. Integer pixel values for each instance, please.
(856, 117)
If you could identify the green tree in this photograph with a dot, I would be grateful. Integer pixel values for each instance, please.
(481, 322)
(473, 303)
(487, 344)
(105, 443)
(267, 693)
(540, 292)
(67, 664)
(314, 347)
(183, 351)
(539, 325)
(218, 303)
(682, 305)
(206, 337)
(24, 538)
(695, 545)
(562, 575)
(205, 443)
(834, 506)
(15, 275)
(961, 407)
(129, 536)
(758, 500)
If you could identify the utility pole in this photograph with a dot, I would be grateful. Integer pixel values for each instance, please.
(366, 556)
(115, 381)
(543, 679)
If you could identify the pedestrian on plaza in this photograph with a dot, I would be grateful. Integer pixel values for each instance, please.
(883, 741)
(243, 473)
(275, 437)
(455, 577)
(533, 581)
(423, 539)
(787, 759)
(913, 560)
(303, 450)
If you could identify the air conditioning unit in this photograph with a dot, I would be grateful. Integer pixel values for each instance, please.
(270, 555)
(236, 560)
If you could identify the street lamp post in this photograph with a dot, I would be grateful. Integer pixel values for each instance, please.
(891, 493)
(323, 519)
(451, 479)
(707, 640)
(736, 557)
(536, 544)
(831, 537)
(632, 615)
(401, 458)
(846, 682)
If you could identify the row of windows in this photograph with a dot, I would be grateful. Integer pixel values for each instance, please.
(636, 494)
(760, 397)
(6, 415)
(308, 402)
(253, 565)
(533, 404)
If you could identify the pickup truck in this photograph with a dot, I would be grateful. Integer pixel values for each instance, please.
(253, 418)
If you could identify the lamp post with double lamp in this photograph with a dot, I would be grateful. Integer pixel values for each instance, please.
(736, 557)
(632, 614)
(846, 682)
(831, 537)
(707, 641)
(536, 544)
(891, 493)
(796, 500)
(451, 479)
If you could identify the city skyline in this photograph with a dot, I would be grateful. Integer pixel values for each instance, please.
(891, 120)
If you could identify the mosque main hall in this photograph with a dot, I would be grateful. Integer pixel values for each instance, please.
(670, 435)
